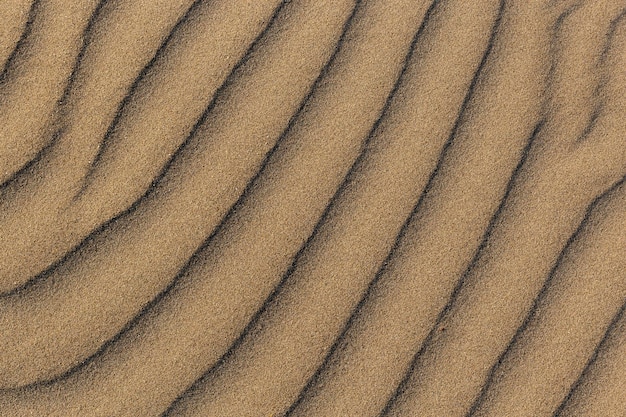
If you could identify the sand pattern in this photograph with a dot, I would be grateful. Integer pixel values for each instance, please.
(320, 208)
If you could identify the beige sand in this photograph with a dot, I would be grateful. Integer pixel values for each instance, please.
(312, 208)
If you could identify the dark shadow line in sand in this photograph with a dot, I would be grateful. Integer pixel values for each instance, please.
(315, 378)
(592, 360)
(480, 72)
(43, 152)
(39, 384)
(130, 93)
(28, 27)
(485, 241)
(540, 296)
(42, 276)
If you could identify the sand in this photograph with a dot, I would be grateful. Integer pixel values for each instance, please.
(312, 208)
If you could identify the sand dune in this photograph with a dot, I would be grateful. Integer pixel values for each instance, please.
(312, 208)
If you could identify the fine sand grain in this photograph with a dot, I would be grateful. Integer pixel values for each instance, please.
(328, 208)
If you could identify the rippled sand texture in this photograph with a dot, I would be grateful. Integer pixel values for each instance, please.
(350, 208)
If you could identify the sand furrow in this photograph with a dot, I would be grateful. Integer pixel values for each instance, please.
(14, 26)
(583, 295)
(600, 389)
(547, 202)
(124, 266)
(35, 78)
(402, 305)
(43, 219)
(301, 321)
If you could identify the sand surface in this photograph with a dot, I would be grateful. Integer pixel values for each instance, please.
(329, 208)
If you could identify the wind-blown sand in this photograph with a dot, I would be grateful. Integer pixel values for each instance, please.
(313, 208)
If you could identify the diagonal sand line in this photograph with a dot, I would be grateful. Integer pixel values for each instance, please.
(570, 318)
(13, 26)
(539, 216)
(36, 76)
(111, 293)
(600, 390)
(402, 304)
(43, 219)
(303, 318)
(205, 179)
